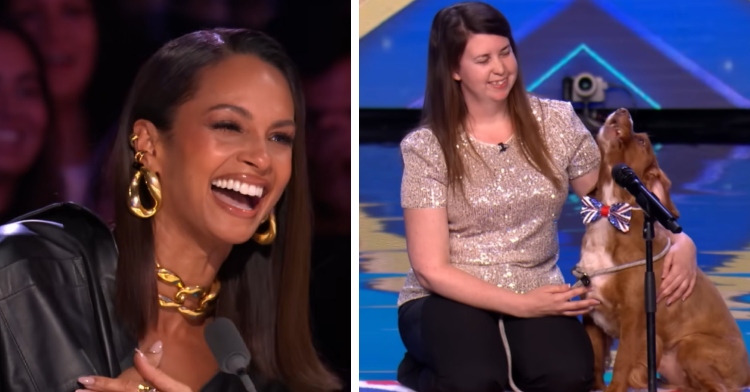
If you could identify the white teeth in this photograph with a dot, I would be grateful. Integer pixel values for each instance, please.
(498, 82)
(254, 190)
(237, 186)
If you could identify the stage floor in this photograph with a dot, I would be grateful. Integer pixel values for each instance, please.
(711, 188)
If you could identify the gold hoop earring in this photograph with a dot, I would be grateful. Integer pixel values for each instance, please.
(267, 237)
(152, 184)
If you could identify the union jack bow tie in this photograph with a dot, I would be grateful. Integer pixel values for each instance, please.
(618, 214)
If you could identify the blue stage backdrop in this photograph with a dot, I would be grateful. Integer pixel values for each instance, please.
(667, 54)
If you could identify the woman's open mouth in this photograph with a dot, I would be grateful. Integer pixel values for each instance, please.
(237, 194)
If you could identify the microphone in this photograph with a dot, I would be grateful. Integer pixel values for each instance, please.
(503, 147)
(626, 178)
(229, 349)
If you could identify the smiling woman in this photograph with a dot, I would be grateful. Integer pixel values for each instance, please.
(25, 139)
(212, 220)
(88, 66)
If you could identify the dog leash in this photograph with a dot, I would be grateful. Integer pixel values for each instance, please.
(504, 337)
(584, 278)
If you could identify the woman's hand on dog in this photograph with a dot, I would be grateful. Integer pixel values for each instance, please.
(555, 300)
(679, 271)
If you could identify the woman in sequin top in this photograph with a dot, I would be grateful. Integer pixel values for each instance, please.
(484, 182)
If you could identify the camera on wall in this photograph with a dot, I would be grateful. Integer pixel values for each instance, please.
(584, 87)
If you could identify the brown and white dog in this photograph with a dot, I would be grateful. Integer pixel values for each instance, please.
(699, 346)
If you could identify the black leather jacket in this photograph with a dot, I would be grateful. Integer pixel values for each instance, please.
(57, 275)
(57, 319)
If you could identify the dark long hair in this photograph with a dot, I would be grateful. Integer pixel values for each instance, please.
(264, 289)
(42, 184)
(445, 109)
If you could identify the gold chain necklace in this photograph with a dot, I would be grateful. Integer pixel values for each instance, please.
(205, 299)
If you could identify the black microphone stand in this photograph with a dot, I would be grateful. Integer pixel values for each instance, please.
(650, 291)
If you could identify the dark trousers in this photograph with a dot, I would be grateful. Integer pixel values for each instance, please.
(452, 347)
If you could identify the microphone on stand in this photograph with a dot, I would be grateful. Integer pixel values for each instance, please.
(503, 147)
(229, 349)
(653, 211)
(626, 178)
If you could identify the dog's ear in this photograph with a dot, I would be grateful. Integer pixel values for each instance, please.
(659, 184)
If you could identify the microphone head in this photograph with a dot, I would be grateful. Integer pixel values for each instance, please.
(227, 346)
(623, 175)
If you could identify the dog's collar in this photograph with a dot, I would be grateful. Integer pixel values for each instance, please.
(584, 277)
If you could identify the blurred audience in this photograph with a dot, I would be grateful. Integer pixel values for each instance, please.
(88, 74)
(254, 14)
(163, 19)
(324, 57)
(28, 178)
(328, 97)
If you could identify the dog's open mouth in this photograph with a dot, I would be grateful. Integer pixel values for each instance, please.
(616, 127)
(611, 130)
(619, 125)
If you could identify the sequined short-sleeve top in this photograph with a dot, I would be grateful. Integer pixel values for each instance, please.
(505, 230)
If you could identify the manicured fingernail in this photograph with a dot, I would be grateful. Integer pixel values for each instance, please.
(86, 380)
(140, 353)
(669, 302)
(155, 348)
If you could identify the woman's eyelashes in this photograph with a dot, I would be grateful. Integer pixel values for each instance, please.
(226, 126)
(283, 138)
(231, 126)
